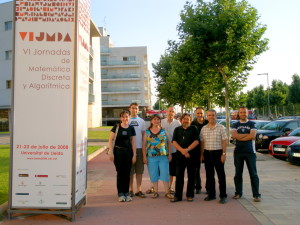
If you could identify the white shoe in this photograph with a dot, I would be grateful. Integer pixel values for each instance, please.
(122, 198)
(128, 199)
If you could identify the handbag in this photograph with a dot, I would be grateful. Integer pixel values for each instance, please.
(114, 140)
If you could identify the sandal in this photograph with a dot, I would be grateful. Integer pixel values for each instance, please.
(169, 196)
(171, 191)
(140, 194)
(150, 191)
(155, 195)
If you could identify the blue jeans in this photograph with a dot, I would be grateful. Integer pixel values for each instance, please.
(250, 159)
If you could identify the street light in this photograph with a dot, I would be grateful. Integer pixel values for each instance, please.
(269, 112)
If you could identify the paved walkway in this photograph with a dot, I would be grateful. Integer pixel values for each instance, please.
(280, 188)
(4, 139)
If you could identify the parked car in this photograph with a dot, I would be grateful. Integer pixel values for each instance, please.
(223, 122)
(274, 129)
(261, 123)
(293, 153)
(278, 147)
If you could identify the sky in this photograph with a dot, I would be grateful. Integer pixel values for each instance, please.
(153, 23)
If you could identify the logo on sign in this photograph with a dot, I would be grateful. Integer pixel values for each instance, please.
(44, 36)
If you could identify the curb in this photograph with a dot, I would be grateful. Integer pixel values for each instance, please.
(4, 206)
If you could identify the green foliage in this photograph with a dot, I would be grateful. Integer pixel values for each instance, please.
(219, 42)
(294, 90)
(4, 171)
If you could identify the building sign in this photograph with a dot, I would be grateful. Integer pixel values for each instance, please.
(49, 123)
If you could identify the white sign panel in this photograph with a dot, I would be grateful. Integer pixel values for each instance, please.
(82, 94)
(43, 104)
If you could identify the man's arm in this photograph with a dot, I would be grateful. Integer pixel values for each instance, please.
(243, 137)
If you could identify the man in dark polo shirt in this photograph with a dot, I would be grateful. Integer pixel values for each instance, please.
(185, 140)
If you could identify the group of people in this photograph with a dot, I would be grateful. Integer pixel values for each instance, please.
(170, 146)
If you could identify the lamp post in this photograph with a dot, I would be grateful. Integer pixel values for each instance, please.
(269, 112)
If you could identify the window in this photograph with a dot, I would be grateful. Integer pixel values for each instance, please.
(8, 55)
(129, 58)
(8, 84)
(8, 25)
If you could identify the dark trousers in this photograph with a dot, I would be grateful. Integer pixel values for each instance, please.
(197, 169)
(213, 162)
(123, 162)
(181, 163)
(250, 159)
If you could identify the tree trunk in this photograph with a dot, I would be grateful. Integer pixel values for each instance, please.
(227, 107)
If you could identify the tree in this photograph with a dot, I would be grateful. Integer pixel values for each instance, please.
(294, 90)
(278, 95)
(225, 37)
(176, 80)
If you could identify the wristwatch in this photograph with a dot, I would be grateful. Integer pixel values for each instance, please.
(224, 153)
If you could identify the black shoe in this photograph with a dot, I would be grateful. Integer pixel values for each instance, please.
(175, 199)
(223, 200)
(209, 198)
(198, 191)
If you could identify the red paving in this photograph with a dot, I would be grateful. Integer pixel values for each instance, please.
(103, 208)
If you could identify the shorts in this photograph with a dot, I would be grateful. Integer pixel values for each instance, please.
(138, 167)
(158, 168)
(172, 165)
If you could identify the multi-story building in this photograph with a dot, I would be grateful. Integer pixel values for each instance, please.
(6, 28)
(6, 33)
(125, 78)
(95, 103)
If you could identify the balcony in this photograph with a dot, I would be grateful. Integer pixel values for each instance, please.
(121, 76)
(105, 50)
(119, 63)
(120, 103)
(121, 90)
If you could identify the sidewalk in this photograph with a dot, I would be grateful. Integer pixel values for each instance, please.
(280, 188)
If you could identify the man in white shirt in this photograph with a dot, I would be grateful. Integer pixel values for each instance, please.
(137, 168)
(169, 124)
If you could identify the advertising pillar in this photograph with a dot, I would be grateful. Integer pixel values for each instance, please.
(50, 104)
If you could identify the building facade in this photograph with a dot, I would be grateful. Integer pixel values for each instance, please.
(125, 79)
(6, 32)
(6, 55)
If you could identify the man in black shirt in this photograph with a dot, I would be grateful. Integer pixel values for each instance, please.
(199, 122)
(185, 139)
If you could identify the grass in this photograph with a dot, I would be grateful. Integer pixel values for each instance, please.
(4, 169)
(99, 134)
(102, 133)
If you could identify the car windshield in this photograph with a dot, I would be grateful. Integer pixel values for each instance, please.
(295, 132)
(274, 125)
(260, 124)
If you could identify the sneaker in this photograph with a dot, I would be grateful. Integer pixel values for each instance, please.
(128, 199)
(122, 198)
(236, 196)
(131, 194)
(256, 199)
(223, 200)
